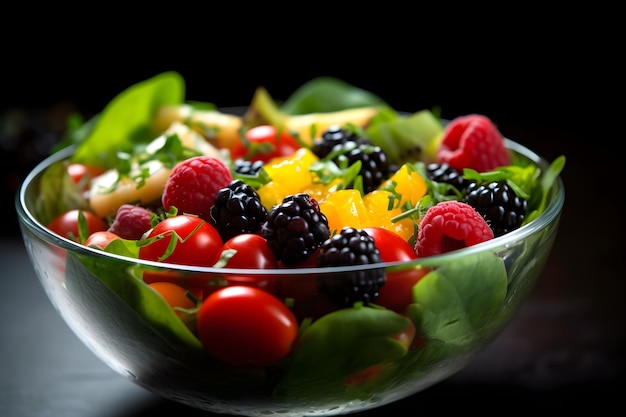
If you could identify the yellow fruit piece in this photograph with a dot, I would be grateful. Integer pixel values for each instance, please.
(289, 174)
(433, 146)
(345, 208)
(264, 110)
(271, 194)
(220, 129)
(406, 183)
(383, 207)
(320, 192)
(307, 125)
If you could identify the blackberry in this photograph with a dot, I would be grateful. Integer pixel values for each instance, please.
(503, 210)
(237, 209)
(346, 248)
(246, 167)
(375, 167)
(295, 228)
(444, 173)
(335, 135)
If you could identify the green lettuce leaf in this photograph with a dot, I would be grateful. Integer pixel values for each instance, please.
(460, 300)
(57, 194)
(338, 345)
(146, 314)
(328, 94)
(126, 120)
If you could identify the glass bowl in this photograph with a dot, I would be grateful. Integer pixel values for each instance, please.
(355, 360)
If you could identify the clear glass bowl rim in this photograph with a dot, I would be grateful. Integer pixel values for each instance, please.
(549, 216)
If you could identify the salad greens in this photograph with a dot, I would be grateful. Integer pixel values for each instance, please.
(328, 94)
(125, 121)
(459, 298)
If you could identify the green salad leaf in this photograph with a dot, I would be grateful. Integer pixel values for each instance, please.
(460, 298)
(361, 337)
(127, 119)
(57, 193)
(123, 285)
(397, 134)
(328, 94)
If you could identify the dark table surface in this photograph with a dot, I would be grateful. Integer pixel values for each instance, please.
(564, 350)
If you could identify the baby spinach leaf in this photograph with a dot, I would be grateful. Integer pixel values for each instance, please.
(123, 247)
(328, 94)
(57, 193)
(460, 298)
(123, 286)
(127, 119)
(342, 343)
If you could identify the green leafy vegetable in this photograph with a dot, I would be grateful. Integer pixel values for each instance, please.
(401, 136)
(328, 94)
(547, 181)
(57, 193)
(361, 337)
(127, 119)
(459, 299)
(123, 285)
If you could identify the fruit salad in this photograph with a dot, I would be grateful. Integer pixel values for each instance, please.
(343, 189)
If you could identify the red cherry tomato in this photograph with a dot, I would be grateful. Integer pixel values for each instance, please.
(100, 239)
(392, 247)
(246, 327)
(67, 224)
(198, 243)
(265, 142)
(250, 252)
(82, 174)
(397, 293)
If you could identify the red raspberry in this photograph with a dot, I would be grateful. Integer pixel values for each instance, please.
(448, 226)
(131, 222)
(193, 184)
(473, 141)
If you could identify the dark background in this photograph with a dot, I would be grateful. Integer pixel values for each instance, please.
(554, 94)
(559, 92)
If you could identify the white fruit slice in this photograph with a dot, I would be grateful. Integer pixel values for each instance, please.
(107, 194)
